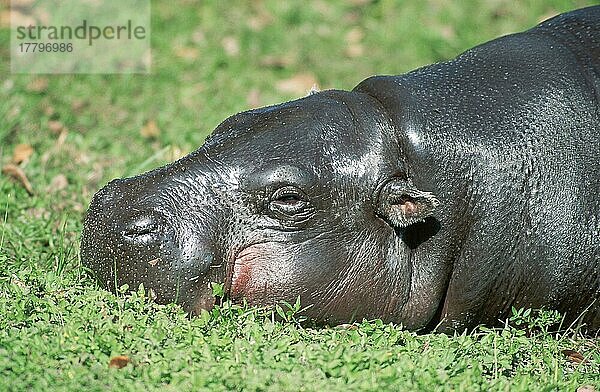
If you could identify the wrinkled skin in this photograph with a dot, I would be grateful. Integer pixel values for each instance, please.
(442, 197)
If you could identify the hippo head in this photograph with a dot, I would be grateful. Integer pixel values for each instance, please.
(310, 198)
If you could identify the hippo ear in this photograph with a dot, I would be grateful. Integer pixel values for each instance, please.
(401, 204)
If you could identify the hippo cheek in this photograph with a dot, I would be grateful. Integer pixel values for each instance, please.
(261, 274)
(248, 268)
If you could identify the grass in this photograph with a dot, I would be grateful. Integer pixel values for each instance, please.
(58, 331)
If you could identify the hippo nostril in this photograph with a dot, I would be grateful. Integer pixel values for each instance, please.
(140, 227)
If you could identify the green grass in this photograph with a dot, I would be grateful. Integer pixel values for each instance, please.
(58, 331)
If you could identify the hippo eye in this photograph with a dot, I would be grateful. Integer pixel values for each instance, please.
(288, 200)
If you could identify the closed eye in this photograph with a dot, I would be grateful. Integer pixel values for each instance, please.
(288, 200)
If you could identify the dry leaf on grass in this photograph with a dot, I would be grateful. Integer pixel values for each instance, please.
(55, 126)
(22, 153)
(355, 35)
(231, 46)
(55, 149)
(150, 130)
(119, 362)
(38, 85)
(79, 104)
(260, 20)
(198, 36)
(586, 388)
(16, 173)
(58, 183)
(447, 32)
(354, 47)
(187, 52)
(298, 84)
(49, 110)
(253, 98)
(277, 61)
(354, 50)
(573, 356)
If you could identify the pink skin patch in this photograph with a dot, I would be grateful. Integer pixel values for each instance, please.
(408, 208)
(244, 265)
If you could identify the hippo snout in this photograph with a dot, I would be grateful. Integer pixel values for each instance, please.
(130, 237)
(144, 229)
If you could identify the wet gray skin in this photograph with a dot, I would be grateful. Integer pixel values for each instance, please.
(442, 197)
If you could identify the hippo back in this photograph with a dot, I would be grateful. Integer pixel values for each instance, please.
(507, 135)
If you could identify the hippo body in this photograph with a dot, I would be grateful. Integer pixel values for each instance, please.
(438, 198)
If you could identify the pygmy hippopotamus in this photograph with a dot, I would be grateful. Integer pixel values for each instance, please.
(438, 198)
